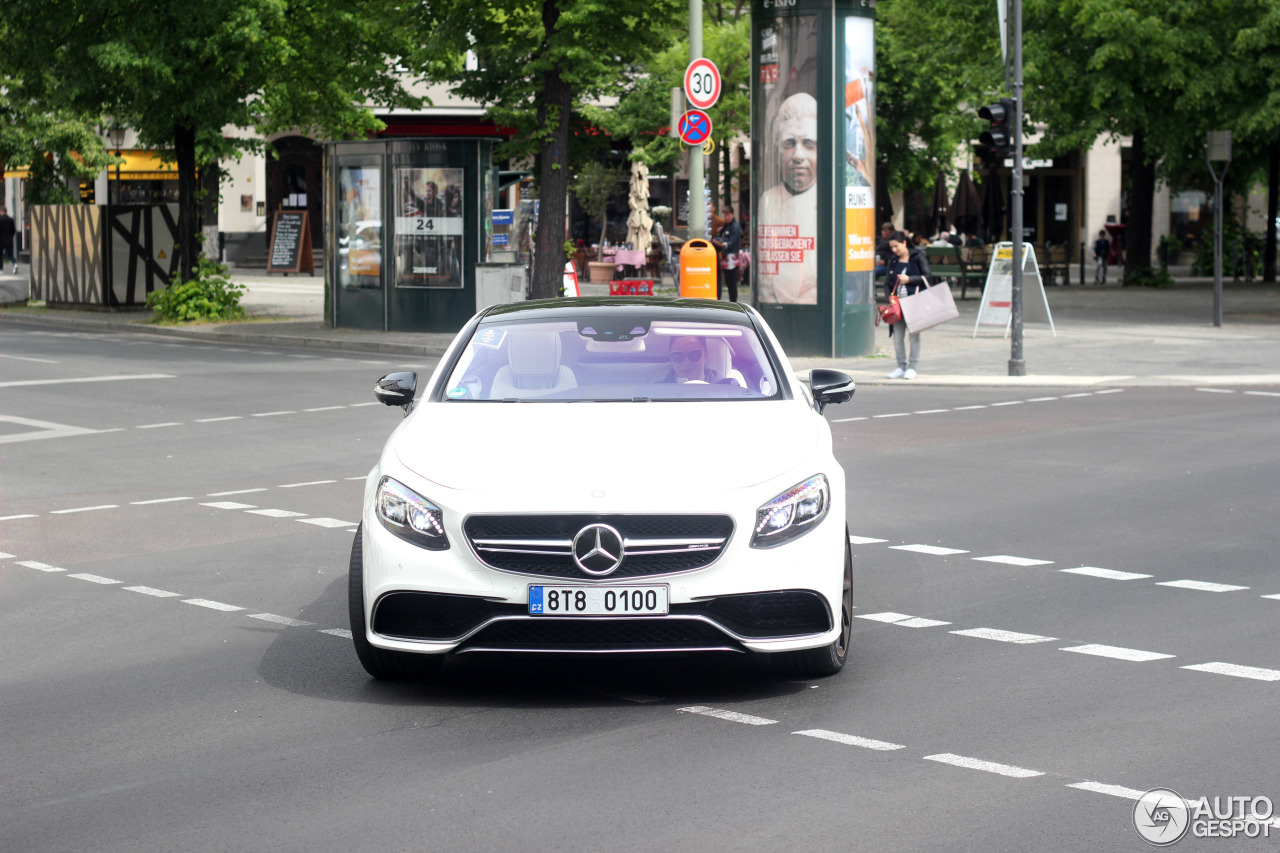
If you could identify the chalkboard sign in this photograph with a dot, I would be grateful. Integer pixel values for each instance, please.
(290, 249)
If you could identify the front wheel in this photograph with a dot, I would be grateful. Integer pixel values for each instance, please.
(826, 660)
(385, 664)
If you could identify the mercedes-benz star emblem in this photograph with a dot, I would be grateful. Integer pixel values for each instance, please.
(597, 549)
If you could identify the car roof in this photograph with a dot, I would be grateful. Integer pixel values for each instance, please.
(650, 306)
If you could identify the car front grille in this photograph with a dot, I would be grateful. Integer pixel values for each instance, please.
(542, 634)
(761, 615)
(434, 617)
(542, 544)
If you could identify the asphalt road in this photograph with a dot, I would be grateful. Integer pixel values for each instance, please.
(1066, 597)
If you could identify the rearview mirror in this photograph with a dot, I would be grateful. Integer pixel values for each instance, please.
(830, 386)
(397, 389)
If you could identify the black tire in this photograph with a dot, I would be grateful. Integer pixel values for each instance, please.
(827, 660)
(380, 663)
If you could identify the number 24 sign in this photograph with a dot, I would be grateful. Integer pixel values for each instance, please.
(702, 83)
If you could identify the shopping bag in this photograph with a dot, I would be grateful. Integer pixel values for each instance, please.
(928, 307)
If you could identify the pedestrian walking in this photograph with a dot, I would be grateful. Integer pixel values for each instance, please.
(905, 275)
(7, 230)
(728, 242)
(1101, 251)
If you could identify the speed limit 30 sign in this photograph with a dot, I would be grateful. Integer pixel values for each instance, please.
(702, 83)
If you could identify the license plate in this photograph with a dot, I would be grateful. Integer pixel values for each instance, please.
(569, 600)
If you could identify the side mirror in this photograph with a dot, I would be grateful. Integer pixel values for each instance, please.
(830, 386)
(397, 389)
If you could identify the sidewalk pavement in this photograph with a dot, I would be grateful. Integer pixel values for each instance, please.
(1105, 336)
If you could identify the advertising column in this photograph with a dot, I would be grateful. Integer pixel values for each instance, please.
(855, 322)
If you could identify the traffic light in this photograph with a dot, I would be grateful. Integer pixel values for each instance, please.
(998, 137)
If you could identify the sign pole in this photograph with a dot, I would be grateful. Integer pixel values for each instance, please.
(1217, 147)
(697, 201)
(1017, 365)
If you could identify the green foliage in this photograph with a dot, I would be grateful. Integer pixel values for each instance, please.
(1147, 277)
(595, 185)
(41, 139)
(1241, 252)
(208, 295)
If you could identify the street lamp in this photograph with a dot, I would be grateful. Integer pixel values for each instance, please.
(116, 132)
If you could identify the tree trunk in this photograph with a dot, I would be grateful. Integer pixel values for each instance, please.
(1137, 237)
(1273, 190)
(184, 147)
(554, 111)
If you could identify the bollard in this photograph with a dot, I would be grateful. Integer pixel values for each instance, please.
(698, 270)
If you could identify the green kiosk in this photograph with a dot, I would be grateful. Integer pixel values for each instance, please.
(407, 222)
(813, 167)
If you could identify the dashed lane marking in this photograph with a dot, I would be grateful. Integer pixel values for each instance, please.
(903, 620)
(337, 632)
(1003, 636)
(270, 414)
(235, 492)
(85, 576)
(212, 605)
(1219, 668)
(928, 549)
(1009, 403)
(863, 540)
(277, 513)
(846, 420)
(311, 483)
(216, 420)
(83, 509)
(324, 408)
(968, 408)
(930, 411)
(1216, 390)
(4, 556)
(1264, 393)
(1202, 586)
(280, 620)
(1276, 597)
(1109, 790)
(985, 766)
(1014, 561)
(29, 358)
(1117, 652)
(1041, 399)
(731, 716)
(38, 566)
(326, 522)
(850, 740)
(1107, 574)
(27, 382)
(919, 622)
(228, 505)
(893, 415)
(152, 591)
(889, 617)
(16, 517)
(159, 501)
(159, 426)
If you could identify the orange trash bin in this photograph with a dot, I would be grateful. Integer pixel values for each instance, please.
(698, 261)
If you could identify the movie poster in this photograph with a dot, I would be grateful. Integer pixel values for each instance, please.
(786, 218)
(428, 203)
(859, 161)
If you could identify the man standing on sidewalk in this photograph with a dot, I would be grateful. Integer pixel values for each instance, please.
(7, 230)
(728, 242)
(1101, 249)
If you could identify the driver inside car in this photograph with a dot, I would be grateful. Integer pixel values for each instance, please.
(688, 359)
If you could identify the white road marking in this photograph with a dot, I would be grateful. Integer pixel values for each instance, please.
(1003, 636)
(277, 513)
(85, 576)
(1116, 652)
(324, 409)
(1109, 391)
(312, 483)
(1009, 403)
(271, 414)
(235, 492)
(894, 415)
(1202, 586)
(15, 517)
(846, 420)
(212, 605)
(1041, 399)
(1109, 574)
(967, 408)
(337, 632)
(4, 556)
(1263, 393)
(731, 716)
(326, 522)
(986, 766)
(228, 505)
(1276, 597)
(281, 620)
(158, 426)
(1109, 790)
(364, 477)
(1216, 390)
(358, 405)
(1219, 668)
(888, 616)
(39, 567)
(42, 430)
(928, 549)
(150, 590)
(29, 358)
(158, 501)
(215, 420)
(856, 540)
(919, 622)
(850, 740)
(83, 509)
(23, 382)
(930, 411)
(1014, 561)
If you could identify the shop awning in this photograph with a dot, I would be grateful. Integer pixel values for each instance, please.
(20, 172)
(144, 166)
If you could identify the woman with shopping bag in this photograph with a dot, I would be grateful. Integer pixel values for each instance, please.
(906, 273)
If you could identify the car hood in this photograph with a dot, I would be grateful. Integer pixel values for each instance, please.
(633, 447)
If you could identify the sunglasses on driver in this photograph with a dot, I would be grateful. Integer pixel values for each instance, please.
(679, 356)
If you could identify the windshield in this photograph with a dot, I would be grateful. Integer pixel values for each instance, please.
(610, 358)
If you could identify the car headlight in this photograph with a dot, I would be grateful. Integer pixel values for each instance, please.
(792, 514)
(410, 516)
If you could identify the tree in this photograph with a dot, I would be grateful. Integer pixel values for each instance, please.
(595, 185)
(181, 72)
(537, 62)
(57, 148)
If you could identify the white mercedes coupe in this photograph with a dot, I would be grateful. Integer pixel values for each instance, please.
(627, 475)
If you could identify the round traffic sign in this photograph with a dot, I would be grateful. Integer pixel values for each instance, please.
(695, 127)
(702, 83)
